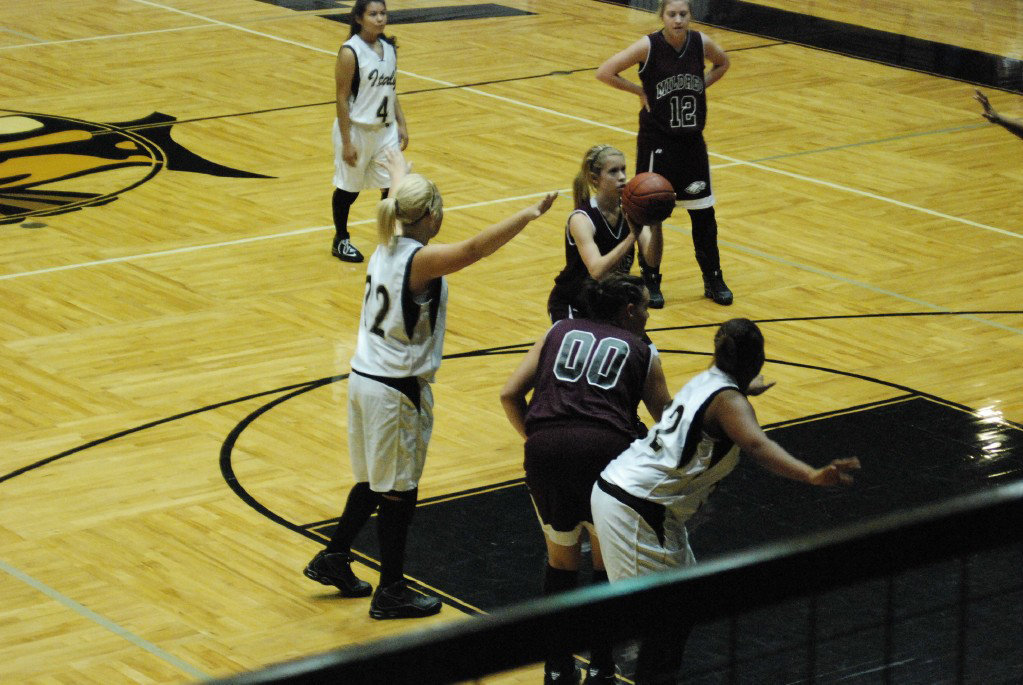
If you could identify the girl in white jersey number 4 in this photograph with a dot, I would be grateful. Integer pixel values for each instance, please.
(369, 118)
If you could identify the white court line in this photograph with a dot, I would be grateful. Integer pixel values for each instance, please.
(37, 40)
(251, 239)
(109, 36)
(104, 622)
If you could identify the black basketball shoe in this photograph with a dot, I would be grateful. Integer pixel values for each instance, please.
(397, 600)
(560, 674)
(714, 287)
(652, 280)
(345, 251)
(335, 569)
(600, 675)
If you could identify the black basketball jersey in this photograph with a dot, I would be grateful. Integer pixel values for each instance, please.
(589, 371)
(674, 86)
(568, 284)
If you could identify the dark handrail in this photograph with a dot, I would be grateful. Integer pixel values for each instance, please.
(715, 588)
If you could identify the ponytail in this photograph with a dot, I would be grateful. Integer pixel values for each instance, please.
(413, 199)
(593, 162)
(387, 226)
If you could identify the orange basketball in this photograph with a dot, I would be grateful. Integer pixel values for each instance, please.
(648, 198)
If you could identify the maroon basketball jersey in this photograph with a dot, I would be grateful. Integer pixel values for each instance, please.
(589, 371)
(568, 285)
(674, 87)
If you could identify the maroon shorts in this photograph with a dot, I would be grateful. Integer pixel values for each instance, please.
(682, 160)
(562, 464)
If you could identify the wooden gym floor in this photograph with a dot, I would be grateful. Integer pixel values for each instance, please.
(165, 279)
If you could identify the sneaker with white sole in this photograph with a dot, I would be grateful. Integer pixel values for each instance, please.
(345, 251)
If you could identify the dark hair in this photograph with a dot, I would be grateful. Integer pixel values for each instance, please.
(606, 299)
(739, 350)
(359, 11)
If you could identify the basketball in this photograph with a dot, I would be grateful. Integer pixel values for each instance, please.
(648, 198)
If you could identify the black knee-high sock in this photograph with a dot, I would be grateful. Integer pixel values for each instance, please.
(646, 269)
(393, 523)
(660, 653)
(340, 203)
(705, 239)
(601, 653)
(557, 580)
(361, 504)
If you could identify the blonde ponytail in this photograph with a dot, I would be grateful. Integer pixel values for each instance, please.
(414, 198)
(387, 227)
(593, 163)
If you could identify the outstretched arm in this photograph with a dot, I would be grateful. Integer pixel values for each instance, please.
(437, 260)
(733, 414)
(1014, 126)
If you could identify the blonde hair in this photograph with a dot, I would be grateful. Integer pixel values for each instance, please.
(408, 203)
(593, 161)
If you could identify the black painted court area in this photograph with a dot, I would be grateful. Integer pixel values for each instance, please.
(484, 548)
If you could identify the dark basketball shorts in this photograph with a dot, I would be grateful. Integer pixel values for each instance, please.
(683, 161)
(562, 464)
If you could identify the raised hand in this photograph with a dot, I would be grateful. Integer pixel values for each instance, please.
(989, 112)
(543, 205)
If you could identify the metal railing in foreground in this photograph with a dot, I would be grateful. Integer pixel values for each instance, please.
(717, 588)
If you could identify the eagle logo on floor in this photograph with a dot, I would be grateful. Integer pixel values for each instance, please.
(53, 165)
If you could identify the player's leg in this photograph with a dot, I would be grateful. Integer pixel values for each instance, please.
(649, 157)
(348, 181)
(661, 649)
(602, 663)
(332, 566)
(395, 472)
(697, 196)
(561, 574)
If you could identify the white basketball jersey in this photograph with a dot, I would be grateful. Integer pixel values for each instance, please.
(374, 92)
(677, 464)
(399, 336)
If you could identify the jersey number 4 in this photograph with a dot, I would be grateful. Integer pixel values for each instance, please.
(602, 366)
(382, 110)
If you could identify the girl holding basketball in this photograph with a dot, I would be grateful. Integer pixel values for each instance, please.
(390, 403)
(673, 112)
(598, 237)
(369, 117)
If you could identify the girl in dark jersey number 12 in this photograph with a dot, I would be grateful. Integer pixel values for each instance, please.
(674, 109)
